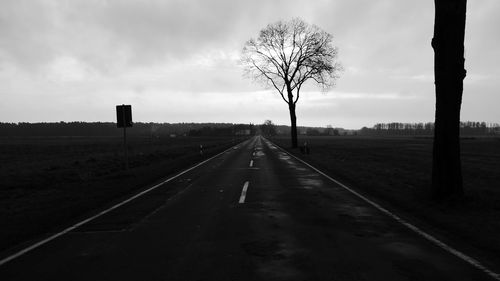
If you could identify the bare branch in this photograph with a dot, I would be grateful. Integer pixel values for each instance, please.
(287, 54)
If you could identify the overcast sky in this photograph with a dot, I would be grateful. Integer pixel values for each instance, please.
(177, 61)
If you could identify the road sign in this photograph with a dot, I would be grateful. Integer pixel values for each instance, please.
(124, 120)
(123, 116)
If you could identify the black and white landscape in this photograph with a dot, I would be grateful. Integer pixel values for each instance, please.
(249, 140)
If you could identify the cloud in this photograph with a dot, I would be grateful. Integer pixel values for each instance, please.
(416, 77)
(61, 55)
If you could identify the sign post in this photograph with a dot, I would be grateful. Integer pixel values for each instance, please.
(124, 120)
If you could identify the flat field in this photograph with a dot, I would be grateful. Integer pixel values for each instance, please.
(397, 173)
(47, 182)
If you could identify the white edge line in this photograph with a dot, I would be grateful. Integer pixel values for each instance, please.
(244, 193)
(415, 229)
(46, 240)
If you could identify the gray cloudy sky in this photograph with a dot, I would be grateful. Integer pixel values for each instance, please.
(176, 61)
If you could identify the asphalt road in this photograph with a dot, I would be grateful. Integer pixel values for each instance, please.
(292, 223)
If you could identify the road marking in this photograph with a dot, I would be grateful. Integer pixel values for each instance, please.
(415, 229)
(251, 163)
(50, 238)
(244, 192)
(248, 168)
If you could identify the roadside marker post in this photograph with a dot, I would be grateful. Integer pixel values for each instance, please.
(124, 120)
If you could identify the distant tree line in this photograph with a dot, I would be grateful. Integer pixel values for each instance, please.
(394, 128)
(328, 131)
(268, 128)
(234, 130)
(46, 129)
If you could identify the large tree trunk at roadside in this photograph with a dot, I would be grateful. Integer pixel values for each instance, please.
(449, 72)
(293, 120)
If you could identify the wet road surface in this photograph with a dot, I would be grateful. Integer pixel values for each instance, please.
(252, 213)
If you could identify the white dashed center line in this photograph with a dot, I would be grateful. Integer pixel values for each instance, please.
(244, 193)
(251, 163)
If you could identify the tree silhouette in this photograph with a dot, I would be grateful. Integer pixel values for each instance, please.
(449, 72)
(268, 128)
(285, 55)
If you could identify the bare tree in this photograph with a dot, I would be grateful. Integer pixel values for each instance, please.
(286, 55)
(449, 72)
(268, 128)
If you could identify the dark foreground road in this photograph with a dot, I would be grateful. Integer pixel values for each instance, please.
(293, 224)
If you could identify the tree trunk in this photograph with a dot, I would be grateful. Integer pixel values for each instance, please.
(293, 120)
(449, 72)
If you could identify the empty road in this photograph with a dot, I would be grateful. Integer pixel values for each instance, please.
(251, 213)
